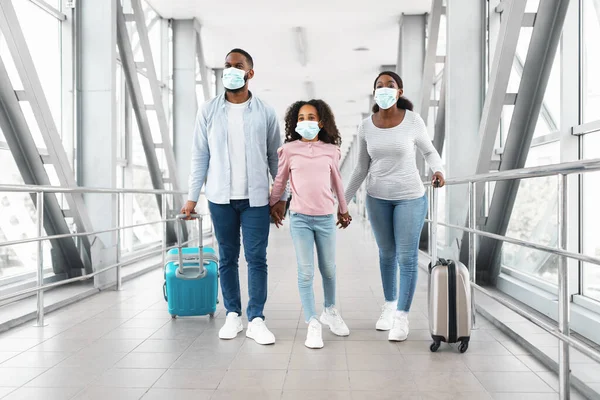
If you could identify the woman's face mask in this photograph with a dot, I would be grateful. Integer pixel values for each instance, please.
(234, 78)
(308, 129)
(386, 97)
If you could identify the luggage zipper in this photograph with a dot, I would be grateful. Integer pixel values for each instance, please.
(452, 317)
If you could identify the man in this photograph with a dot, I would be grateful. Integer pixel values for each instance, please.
(236, 138)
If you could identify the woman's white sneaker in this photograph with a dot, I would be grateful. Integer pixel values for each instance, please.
(399, 331)
(332, 318)
(233, 326)
(386, 319)
(314, 335)
(258, 331)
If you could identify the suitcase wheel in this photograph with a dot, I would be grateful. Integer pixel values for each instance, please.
(434, 347)
(212, 315)
(173, 316)
(464, 345)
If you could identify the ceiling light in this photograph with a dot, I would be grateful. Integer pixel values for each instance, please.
(361, 48)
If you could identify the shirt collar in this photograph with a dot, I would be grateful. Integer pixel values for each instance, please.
(223, 101)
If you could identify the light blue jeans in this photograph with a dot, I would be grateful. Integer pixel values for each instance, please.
(308, 231)
(397, 227)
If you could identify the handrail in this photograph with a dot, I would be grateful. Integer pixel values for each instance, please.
(567, 168)
(82, 189)
(40, 192)
(561, 171)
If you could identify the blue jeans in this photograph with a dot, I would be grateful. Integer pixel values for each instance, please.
(397, 227)
(254, 223)
(307, 231)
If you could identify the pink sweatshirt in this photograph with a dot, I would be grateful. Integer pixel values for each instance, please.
(314, 173)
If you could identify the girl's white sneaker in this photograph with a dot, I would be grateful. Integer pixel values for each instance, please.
(314, 336)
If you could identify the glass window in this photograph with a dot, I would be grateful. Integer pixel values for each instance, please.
(591, 60)
(43, 36)
(534, 218)
(591, 219)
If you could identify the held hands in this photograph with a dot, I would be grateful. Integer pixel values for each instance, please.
(278, 213)
(344, 220)
(189, 208)
(438, 180)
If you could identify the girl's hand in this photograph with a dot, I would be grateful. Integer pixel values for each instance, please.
(438, 180)
(344, 220)
(277, 213)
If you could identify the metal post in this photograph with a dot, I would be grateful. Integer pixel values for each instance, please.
(119, 203)
(40, 259)
(164, 233)
(429, 214)
(473, 246)
(564, 371)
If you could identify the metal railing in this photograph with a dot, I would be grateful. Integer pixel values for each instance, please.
(561, 171)
(40, 191)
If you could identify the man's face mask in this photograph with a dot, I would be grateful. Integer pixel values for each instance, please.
(234, 78)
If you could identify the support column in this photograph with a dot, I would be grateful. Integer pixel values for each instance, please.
(219, 89)
(96, 108)
(185, 103)
(464, 78)
(411, 55)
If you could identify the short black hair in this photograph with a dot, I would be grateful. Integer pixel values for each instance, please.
(245, 54)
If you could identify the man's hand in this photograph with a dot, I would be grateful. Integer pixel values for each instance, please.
(344, 220)
(438, 180)
(189, 208)
(278, 213)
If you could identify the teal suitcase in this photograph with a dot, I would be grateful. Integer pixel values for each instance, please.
(191, 278)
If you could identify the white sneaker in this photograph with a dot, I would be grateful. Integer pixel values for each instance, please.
(258, 331)
(386, 319)
(399, 331)
(233, 326)
(332, 318)
(314, 336)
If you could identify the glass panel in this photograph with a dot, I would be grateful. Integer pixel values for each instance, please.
(17, 221)
(145, 209)
(9, 64)
(549, 118)
(532, 6)
(591, 60)
(591, 219)
(42, 33)
(441, 48)
(534, 218)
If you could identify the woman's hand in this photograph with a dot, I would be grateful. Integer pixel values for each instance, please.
(438, 180)
(343, 220)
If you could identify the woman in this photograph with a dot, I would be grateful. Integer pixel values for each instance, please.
(396, 200)
(309, 159)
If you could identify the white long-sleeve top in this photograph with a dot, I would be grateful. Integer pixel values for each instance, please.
(387, 159)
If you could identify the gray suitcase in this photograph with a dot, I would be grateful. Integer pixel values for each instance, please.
(449, 296)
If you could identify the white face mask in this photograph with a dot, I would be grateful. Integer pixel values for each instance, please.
(234, 78)
(386, 97)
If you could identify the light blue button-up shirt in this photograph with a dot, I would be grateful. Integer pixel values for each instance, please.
(210, 153)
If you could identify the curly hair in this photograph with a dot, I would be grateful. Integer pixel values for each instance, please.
(329, 132)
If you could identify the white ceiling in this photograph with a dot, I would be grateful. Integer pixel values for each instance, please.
(333, 28)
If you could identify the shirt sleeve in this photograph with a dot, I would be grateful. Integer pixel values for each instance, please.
(200, 157)
(281, 179)
(273, 144)
(362, 167)
(425, 146)
(337, 183)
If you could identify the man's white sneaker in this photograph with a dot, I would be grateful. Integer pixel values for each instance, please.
(399, 331)
(332, 318)
(386, 319)
(233, 326)
(258, 331)
(314, 336)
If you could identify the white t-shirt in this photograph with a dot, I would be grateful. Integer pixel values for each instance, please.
(236, 143)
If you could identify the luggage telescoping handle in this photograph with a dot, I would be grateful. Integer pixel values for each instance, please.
(434, 221)
(182, 219)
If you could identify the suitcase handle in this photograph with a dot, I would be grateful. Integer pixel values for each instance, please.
(180, 270)
(192, 273)
(434, 222)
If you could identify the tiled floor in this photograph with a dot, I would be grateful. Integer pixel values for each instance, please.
(124, 345)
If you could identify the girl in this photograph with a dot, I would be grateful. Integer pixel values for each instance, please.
(396, 201)
(310, 160)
